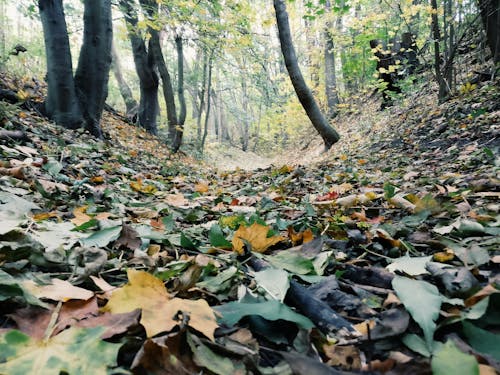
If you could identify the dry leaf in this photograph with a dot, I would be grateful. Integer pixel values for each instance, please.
(80, 216)
(146, 292)
(201, 187)
(256, 235)
(59, 290)
(159, 312)
(201, 315)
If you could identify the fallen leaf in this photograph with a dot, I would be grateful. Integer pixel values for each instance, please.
(73, 351)
(59, 290)
(256, 235)
(146, 292)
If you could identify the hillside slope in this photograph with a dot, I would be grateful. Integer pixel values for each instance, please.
(117, 255)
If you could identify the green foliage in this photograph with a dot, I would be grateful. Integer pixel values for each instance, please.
(74, 351)
(423, 302)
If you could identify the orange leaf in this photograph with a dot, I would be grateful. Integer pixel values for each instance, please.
(201, 187)
(97, 179)
(80, 216)
(256, 235)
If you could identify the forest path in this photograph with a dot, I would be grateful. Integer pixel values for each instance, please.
(228, 158)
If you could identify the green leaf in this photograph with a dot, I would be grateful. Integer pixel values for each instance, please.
(423, 302)
(204, 357)
(187, 243)
(389, 190)
(273, 281)
(232, 312)
(12, 287)
(482, 341)
(103, 237)
(217, 238)
(417, 344)
(74, 351)
(411, 266)
(449, 360)
(219, 282)
(292, 262)
(53, 167)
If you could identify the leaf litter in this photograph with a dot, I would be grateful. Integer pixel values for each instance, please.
(380, 257)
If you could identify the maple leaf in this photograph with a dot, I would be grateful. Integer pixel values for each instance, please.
(143, 291)
(256, 235)
(160, 312)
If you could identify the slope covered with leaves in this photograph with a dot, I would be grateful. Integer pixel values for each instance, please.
(380, 258)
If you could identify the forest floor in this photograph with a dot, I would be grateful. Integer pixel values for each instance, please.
(378, 256)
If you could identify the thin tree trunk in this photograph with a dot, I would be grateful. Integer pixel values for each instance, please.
(436, 34)
(145, 67)
(246, 121)
(331, 93)
(92, 74)
(168, 89)
(209, 90)
(131, 104)
(179, 131)
(61, 104)
(319, 121)
(202, 98)
(3, 28)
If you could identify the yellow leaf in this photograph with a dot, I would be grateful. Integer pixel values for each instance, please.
(80, 216)
(444, 256)
(201, 187)
(256, 235)
(141, 188)
(363, 326)
(159, 311)
(201, 315)
(59, 290)
(146, 292)
(44, 216)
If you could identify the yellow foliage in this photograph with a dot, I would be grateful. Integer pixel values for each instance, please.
(256, 235)
(159, 311)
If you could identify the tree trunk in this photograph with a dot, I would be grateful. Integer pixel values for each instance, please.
(61, 104)
(209, 90)
(444, 90)
(179, 131)
(130, 103)
(92, 74)
(490, 14)
(320, 123)
(145, 67)
(202, 99)
(332, 97)
(168, 90)
(3, 29)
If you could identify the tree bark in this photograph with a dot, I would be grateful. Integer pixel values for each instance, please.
(92, 74)
(209, 91)
(61, 104)
(490, 14)
(131, 104)
(304, 94)
(331, 93)
(150, 9)
(179, 131)
(444, 90)
(145, 67)
(202, 97)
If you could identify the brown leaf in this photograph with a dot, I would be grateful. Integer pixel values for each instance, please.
(129, 238)
(165, 355)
